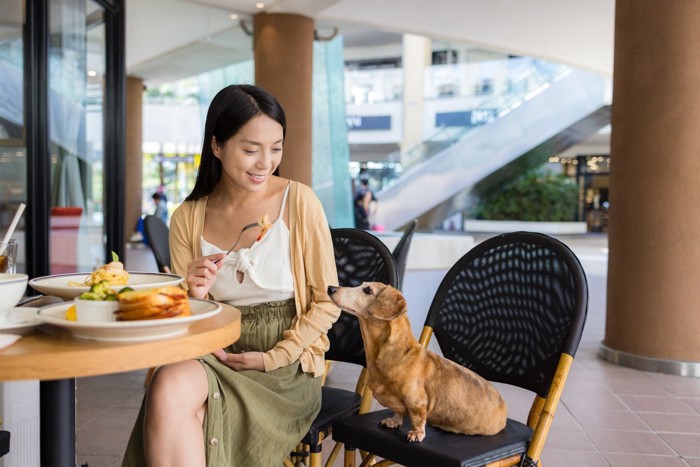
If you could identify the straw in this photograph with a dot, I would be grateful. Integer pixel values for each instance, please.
(11, 230)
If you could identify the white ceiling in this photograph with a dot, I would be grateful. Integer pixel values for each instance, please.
(170, 39)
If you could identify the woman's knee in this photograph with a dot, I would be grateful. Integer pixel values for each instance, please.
(181, 385)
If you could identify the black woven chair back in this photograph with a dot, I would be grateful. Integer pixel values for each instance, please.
(157, 235)
(359, 257)
(400, 252)
(509, 307)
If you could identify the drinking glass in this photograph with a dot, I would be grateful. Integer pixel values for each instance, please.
(8, 259)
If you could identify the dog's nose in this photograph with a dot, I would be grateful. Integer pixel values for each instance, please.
(332, 289)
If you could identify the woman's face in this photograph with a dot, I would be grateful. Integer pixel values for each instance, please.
(250, 156)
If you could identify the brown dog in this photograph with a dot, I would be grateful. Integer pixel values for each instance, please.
(409, 379)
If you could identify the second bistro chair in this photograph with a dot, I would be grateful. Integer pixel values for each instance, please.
(157, 235)
(512, 309)
(400, 252)
(359, 257)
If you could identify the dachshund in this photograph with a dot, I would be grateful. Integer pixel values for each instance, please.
(411, 380)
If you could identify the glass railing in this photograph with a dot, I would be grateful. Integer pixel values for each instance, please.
(523, 84)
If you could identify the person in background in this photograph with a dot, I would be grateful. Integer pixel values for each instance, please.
(361, 218)
(252, 402)
(369, 201)
(161, 206)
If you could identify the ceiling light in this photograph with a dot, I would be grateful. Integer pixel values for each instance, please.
(260, 5)
(92, 73)
(233, 16)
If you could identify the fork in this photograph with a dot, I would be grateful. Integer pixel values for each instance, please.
(249, 226)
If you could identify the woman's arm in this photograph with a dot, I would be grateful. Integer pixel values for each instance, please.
(199, 273)
(181, 250)
(307, 337)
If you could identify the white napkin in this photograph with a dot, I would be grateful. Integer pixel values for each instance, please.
(7, 340)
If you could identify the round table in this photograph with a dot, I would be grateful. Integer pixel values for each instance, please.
(53, 353)
(53, 356)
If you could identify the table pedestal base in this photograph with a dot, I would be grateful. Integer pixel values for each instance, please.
(57, 426)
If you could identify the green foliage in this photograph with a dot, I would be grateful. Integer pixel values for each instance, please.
(535, 196)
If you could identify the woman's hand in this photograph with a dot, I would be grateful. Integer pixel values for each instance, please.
(241, 361)
(201, 274)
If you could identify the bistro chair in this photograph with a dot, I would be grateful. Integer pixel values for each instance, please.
(512, 309)
(400, 252)
(157, 235)
(359, 257)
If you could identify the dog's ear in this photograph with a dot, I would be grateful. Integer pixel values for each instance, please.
(389, 304)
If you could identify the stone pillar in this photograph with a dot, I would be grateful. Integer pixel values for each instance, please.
(653, 291)
(416, 57)
(283, 53)
(134, 140)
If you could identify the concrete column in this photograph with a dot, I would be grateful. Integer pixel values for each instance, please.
(416, 56)
(134, 141)
(283, 52)
(653, 292)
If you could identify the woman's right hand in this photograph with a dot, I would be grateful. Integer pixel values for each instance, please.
(201, 274)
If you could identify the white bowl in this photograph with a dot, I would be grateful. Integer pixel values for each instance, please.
(95, 311)
(12, 287)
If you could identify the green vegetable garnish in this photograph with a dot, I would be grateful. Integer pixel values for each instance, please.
(100, 291)
(115, 258)
(90, 296)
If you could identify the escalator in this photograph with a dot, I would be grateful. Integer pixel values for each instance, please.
(555, 115)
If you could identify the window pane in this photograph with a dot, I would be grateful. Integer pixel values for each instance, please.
(13, 161)
(76, 119)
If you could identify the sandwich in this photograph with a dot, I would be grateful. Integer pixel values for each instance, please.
(161, 302)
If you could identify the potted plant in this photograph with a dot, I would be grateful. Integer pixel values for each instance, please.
(536, 196)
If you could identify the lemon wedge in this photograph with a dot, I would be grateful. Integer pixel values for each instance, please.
(70, 314)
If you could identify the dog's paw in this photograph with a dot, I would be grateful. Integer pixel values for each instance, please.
(391, 422)
(415, 436)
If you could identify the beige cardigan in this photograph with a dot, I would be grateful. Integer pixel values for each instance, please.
(313, 269)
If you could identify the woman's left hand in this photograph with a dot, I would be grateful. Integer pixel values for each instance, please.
(241, 361)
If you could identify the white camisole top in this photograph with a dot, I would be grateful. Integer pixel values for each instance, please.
(266, 268)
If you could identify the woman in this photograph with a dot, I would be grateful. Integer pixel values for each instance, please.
(251, 403)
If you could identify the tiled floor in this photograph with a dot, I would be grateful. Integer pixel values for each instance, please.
(608, 415)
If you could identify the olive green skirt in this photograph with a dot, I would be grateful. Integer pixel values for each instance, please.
(253, 418)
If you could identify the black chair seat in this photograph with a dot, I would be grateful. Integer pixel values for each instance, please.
(444, 449)
(335, 403)
(4, 442)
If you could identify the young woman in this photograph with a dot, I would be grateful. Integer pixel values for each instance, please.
(251, 403)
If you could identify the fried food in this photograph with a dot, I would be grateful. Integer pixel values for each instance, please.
(264, 224)
(158, 303)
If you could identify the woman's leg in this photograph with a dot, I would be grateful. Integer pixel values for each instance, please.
(175, 409)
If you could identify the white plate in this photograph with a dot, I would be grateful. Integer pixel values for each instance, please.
(129, 331)
(22, 321)
(58, 285)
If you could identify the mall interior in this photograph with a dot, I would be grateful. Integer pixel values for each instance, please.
(437, 106)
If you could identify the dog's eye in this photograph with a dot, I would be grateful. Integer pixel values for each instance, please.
(367, 290)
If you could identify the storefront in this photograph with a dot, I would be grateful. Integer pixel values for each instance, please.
(593, 179)
(62, 130)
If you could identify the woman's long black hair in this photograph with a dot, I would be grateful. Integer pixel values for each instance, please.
(231, 108)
